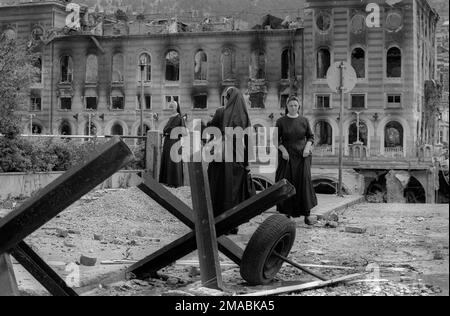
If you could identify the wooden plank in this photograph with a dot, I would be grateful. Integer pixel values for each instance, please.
(61, 193)
(8, 284)
(306, 286)
(238, 215)
(51, 281)
(205, 231)
(184, 213)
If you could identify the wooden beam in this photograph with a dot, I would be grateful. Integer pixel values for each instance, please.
(41, 271)
(205, 231)
(238, 215)
(8, 284)
(184, 213)
(306, 286)
(61, 193)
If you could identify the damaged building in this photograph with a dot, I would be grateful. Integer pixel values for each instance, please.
(90, 82)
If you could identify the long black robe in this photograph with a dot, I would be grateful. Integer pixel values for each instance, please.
(227, 180)
(293, 134)
(171, 173)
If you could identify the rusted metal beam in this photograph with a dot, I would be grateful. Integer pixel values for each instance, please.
(61, 193)
(184, 213)
(49, 279)
(205, 231)
(238, 215)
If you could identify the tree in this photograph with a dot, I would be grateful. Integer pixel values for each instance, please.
(16, 73)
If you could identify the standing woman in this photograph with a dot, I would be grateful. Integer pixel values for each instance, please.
(171, 173)
(295, 140)
(228, 181)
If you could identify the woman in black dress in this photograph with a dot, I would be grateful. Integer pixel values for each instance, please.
(171, 173)
(228, 180)
(294, 161)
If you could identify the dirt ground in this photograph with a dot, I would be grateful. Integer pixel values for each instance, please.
(404, 247)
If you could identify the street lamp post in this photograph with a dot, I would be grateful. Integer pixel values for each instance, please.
(142, 63)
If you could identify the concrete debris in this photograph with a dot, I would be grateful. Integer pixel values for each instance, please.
(87, 261)
(98, 237)
(69, 244)
(355, 230)
(62, 233)
(331, 224)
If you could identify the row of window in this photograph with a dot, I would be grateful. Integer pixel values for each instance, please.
(258, 61)
(359, 62)
(357, 101)
(322, 130)
(393, 131)
(322, 101)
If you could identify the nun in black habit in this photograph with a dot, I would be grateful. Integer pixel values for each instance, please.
(230, 181)
(295, 140)
(171, 173)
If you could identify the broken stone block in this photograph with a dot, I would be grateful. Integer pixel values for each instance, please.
(355, 230)
(87, 261)
(74, 232)
(62, 233)
(8, 205)
(98, 237)
(139, 233)
(331, 224)
(69, 244)
(172, 281)
(437, 255)
(333, 217)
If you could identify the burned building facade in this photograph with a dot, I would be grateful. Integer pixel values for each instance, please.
(91, 83)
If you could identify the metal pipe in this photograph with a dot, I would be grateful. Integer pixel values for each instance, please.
(296, 265)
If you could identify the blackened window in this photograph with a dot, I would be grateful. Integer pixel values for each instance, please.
(147, 100)
(358, 101)
(91, 103)
(283, 101)
(201, 66)
(172, 66)
(359, 62)
(393, 135)
(257, 100)
(200, 101)
(65, 128)
(35, 104)
(394, 63)
(36, 129)
(66, 103)
(117, 103)
(323, 133)
(287, 63)
(66, 69)
(323, 62)
(117, 129)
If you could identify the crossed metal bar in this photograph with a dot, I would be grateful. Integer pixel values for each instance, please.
(234, 217)
(51, 201)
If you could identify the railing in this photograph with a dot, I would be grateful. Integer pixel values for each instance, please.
(323, 150)
(394, 152)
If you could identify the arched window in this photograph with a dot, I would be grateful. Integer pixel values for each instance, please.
(323, 62)
(117, 129)
(91, 68)
(66, 69)
(393, 135)
(359, 62)
(37, 63)
(117, 68)
(172, 66)
(354, 131)
(201, 66)
(323, 134)
(65, 129)
(36, 129)
(146, 129)
(287, 63)
(394, 63)
(227, 64)
(258, 65)
(145, 60)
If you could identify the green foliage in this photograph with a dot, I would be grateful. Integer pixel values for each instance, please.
(16, 73)
(51, 154)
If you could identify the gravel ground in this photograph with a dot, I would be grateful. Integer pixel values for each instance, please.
(405, 247)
